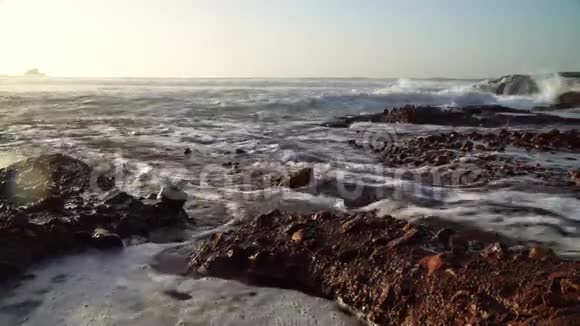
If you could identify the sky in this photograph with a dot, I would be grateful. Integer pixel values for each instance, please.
(294, 38)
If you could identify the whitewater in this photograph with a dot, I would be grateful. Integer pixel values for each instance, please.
(140, 128)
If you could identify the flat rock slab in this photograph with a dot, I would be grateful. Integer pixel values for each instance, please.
(396, 273)
(486, 116)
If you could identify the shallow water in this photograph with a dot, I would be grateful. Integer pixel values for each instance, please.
(123, 289)
(139, 129)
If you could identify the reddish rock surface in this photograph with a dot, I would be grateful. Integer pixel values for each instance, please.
(396, 273)
(486, 160)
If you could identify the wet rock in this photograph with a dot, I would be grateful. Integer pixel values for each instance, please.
(467, 146)
(47, 209)
(152, 197)
(451, 162)
(181, 296)
(512, 85)
(568, 100)
(575, 176)
(298, 179)
(384, 284)
(8, 270)
(322, 215)
(347, 121)
(172, 196)
(122, 199)
(105, 183)
(494, 251)
(105, 239)
(36, 178)
(52, 204)
(266, 219)
(541, 253)
(488, 116)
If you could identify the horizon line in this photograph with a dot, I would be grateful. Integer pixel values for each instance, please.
(48, 76)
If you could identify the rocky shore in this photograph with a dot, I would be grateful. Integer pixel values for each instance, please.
(392, 272)
(430, 272)
(468, 158)
(48, 208)
(387, 270)
(488, 116)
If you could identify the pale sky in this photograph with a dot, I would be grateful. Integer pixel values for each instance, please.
(294, 38)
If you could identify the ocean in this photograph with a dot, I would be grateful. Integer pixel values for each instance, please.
(138, 129)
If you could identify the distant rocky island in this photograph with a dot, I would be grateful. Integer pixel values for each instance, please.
(34, 73)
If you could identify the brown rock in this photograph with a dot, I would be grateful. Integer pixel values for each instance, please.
(494, 251)
(298, 236)
(322, 215)
(541, 253)
(383, 284)
(299, 179)
(433, 263)
(570, 284)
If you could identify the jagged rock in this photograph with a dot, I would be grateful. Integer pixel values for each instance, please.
(298, 179)
(405, 284)
(454, 151)
(105, 239)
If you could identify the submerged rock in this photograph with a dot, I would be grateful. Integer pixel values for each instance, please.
(389, 272)
(298, 179)
(347, 121)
